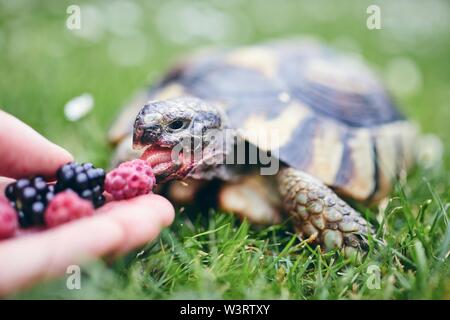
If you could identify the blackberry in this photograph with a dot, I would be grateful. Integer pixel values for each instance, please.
(30, 197)
(84, 179)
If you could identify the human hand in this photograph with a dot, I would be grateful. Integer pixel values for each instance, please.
(36, 256)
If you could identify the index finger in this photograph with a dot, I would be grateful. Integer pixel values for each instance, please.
(25, 152)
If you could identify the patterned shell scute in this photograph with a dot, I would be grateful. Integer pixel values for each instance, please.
(338, 87)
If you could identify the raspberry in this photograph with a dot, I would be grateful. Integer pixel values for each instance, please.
(8, 220)
(67, 206)
(30, 198)
(84, 179)
(130, 179)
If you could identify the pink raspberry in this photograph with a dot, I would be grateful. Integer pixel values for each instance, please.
(130, 179)
(67, 206)
(8, 219)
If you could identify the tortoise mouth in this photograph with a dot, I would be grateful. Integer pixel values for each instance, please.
(166, 164)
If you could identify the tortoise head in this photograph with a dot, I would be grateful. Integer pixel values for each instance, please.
(179, 137)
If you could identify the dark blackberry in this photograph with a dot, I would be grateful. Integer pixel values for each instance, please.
(29, 197)
(84, 179)
(99, 201)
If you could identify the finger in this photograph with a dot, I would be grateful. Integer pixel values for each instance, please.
(140, 218)
(26, 152)
(120, 227)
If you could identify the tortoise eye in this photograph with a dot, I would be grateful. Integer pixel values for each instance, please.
(178, 125)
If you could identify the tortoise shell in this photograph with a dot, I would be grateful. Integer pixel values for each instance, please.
(327, 113)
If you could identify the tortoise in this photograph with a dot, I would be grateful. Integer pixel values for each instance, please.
(331, 126)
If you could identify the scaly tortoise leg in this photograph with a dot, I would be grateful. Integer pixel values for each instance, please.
(320, 215)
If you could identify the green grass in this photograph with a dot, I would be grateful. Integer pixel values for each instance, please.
(212, 254)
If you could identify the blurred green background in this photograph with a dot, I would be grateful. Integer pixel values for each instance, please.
(123, 46)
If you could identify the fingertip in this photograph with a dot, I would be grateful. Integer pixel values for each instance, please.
(56, 156)
(63, 155)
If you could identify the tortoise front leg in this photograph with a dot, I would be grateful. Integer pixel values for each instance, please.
(320, 215)
(253, 197)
